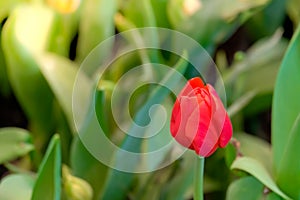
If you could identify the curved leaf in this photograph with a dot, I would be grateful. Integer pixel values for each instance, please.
(4, 83)
(48, 183)
(256, 148)
(23, 35)
(257, 170)
(133, 144)
(286, 108)
(289, 166)
(60, 74)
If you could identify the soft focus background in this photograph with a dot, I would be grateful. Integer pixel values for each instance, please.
(254, 43)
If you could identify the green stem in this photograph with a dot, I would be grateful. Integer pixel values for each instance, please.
(198, 185)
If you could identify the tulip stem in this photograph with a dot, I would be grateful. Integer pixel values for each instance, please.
(198, 185)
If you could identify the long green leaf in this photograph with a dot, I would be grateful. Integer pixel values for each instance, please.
(285, 110)
(21, 40)
(121, 181)
(288, 176)
(91, 170)
(60, 74)
(14, 142)
(257, 170)
(48, 183)
(140, 12)
(96, 25)
(4, 83)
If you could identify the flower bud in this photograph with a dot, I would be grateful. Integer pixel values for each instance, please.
(199, 120)
(75, 188)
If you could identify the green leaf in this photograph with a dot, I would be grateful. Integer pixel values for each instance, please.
(256, 71)
(283, 118)
(91, 170)
(215, 20)
(289, 166)
(160, 12)
(63, 31)
(273, 196)
(96, 25)
(133, 144)
(183, 181)
(161, 138)
(60, 74)
(256, 169)
(4, 83)
(6, 7)
(14, 142)
(246, 188)
(21, 40)
(139, 12)
(16, 186)
(257, 148)
(48, 182)
(266, 21)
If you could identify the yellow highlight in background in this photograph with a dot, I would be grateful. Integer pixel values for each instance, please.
(64, 6)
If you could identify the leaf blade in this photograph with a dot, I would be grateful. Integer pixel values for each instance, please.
(48, 183)
(283, 119)
(256, 169)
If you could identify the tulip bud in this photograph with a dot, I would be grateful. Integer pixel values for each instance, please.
(75, 188)
(199, 120)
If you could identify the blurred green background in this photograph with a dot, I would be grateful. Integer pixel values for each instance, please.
(254, 43)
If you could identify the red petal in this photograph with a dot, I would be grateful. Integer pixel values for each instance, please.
(190, 86)
(196, 82)
(175, 118)
(211, 151)
(179, 122)
(224, 127)
(226, 133)
(202, 140)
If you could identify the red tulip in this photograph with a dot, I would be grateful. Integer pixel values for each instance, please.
(199, 120)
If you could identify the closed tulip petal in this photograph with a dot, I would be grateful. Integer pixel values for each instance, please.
(178, 127)
(224, 127)
(190, 86)
(199, 120)
(226, 133)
